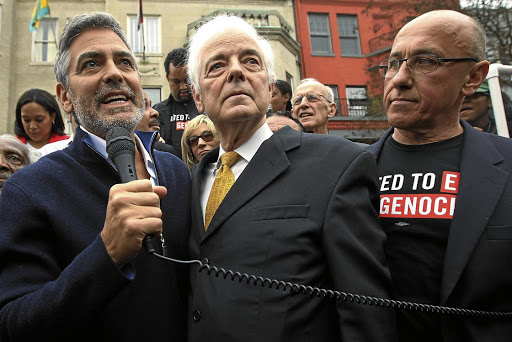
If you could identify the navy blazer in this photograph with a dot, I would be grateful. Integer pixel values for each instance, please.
(57, 281)
(304, 211)
(477, 271)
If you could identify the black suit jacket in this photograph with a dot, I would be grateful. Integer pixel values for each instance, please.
(304, 211)
(477, 271)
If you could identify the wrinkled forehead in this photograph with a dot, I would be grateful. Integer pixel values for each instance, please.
(230, 42)
(97, 42)
(309, 87)
(10, 146)
(437, 35)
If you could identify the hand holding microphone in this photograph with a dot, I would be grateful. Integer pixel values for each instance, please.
(133, 209)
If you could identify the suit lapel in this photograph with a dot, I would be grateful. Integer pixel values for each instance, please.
(480, 188)
(376, 148)
(196, 211)
(269, 162)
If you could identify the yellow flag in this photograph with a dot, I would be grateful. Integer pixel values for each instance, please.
(41, 9)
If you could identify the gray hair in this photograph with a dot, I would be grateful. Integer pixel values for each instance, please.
(223, 24)
(32, 155)
(74, 27)
(328, 90)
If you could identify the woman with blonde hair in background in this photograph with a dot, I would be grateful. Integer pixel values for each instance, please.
(199, 137)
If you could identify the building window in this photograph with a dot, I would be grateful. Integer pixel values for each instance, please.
(357, 100)
(349, 35)
(320, 32)
(154, 94)
(44, 46)
(289, 79)
(152, 37)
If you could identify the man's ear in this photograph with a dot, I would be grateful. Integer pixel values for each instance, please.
(270, 90)
(332, 110)
(197, 100)
(64, 98)
(475, 77)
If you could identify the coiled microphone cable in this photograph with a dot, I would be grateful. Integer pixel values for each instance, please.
(337, 295)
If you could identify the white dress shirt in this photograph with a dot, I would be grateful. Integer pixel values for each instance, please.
(246, 152)
(100, 146)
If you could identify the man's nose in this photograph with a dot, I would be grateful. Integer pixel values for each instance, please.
(153, 113)
(236, 72)
(112, 72)
(403, 77)
(467, 99)
(304, 102)
(3, 162)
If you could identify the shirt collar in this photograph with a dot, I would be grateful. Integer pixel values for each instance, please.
(248, 149)
(96, 142)
(148, 161)
(100, 146)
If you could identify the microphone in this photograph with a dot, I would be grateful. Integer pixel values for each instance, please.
(121, 150)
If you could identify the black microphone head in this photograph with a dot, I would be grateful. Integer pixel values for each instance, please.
(119, 141)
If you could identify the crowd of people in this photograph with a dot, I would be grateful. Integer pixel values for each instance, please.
(236, 170)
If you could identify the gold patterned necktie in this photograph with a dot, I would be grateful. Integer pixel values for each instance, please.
(221, 185)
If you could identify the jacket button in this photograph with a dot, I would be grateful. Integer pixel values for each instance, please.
(196, 316)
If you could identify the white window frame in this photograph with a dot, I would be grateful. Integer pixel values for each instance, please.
(42, 47)
(152, 34)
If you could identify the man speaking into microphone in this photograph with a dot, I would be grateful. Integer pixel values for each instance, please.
(71, 265)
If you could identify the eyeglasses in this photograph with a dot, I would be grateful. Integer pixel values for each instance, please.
(194, 139)
(417, 65)
(312, 98)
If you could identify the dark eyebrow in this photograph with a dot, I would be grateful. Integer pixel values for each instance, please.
(123, 54)
(96, 54)
(84, 56)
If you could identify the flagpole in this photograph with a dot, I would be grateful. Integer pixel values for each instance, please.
(143, 43)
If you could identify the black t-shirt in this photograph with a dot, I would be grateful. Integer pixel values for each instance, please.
(174, 116)
(418, 191)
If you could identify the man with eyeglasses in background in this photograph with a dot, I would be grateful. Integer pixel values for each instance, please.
(446, 193)
(313, 104)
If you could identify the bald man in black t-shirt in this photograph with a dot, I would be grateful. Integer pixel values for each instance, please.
(445, 190)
